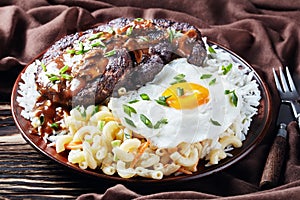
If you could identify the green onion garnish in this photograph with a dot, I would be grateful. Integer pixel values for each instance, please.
(54, 78)
(178, 79)
(115, 143)
(233, 97)
(171, 33)
(216, 123)
(139, 19)
(101, 125)
(160, 123)
(96, 109)
(205, 76)
(71, 51)
(146, 121)
(67, 76)
(130, 122)
(95, 36)
(98, 43)
(145, 96)
(133, 101)
(63, 69)
(162, 100)
(110, 53)
(144, 38)
(213, 81)
(54, 125)
(129, 31)
(128, 110)
(211, 50)
(43, 67)
(127, 135)
(226, 69)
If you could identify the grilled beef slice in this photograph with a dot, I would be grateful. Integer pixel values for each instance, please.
(123, 53)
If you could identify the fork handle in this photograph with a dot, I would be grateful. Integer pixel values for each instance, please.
(275, 160)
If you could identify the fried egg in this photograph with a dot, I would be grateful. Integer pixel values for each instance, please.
(184, 103)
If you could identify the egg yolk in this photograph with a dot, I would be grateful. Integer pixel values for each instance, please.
(186, 95)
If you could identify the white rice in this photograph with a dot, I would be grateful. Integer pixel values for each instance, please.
(243, 78)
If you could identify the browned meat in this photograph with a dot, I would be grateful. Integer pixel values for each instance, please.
(123, 53)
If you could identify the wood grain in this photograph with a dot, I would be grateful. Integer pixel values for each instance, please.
(27, 174)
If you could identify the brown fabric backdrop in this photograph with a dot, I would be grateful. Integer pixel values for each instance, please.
(265, 33)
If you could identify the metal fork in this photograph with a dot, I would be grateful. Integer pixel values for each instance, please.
(287, 91)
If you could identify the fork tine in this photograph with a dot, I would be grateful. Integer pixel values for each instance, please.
(291, 82)
(283, 80)
(279, 88)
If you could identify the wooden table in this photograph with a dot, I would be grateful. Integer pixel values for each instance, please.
(26, 173)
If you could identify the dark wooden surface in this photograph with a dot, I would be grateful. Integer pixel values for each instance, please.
(27, 174)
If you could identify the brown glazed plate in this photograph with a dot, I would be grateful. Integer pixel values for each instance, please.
(258, 129)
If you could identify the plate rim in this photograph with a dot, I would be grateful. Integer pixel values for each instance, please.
(227, 162)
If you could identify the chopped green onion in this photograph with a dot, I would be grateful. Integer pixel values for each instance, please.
(71, 51)
(139, 19)
(213, 81)
(180, 91)
(226, 69)
(171, 33)
(54, 78)
(130, 122)
(162, 100)
(67, 76)
(96, 109)
(145, 96)
(83, 114)
(110, 53)
(129, 31)
(127, 135)
(43, 67)
(211, 50)
(233, 97)
(98, 43)
(81, 46)
(144, 38)
(216, 123)
(133, 101)
(178, 79)
(63, 69)
(115, 143)
(101, 125)
(146, 121)
(128, 110)
(206, 76)
(54, 125)
(160, 123)
(81, 49)
(95, 36)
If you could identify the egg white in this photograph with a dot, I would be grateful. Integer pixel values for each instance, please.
(187, 125)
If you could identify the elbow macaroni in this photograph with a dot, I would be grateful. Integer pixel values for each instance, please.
(104, 144)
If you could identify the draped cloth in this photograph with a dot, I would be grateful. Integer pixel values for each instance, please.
(265, 33)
